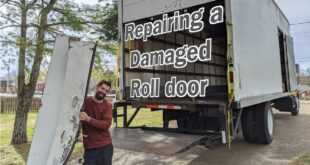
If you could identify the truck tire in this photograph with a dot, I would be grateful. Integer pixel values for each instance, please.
(265, 124)
(295, 106)
(288, 104)
(258, 124)
(248, 124)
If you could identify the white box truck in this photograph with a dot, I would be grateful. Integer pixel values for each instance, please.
(211, 65)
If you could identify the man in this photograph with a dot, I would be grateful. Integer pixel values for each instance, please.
(96, 120)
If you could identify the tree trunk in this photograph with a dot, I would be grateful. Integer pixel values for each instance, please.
(20, 125)
(26, 92)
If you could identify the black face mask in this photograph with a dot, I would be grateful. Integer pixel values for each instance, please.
(99, 95)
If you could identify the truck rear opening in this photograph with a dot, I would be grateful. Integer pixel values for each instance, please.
(186, 77)
(176, 61)
(208, 64)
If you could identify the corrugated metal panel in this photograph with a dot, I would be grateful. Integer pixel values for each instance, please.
(50, 110)
(58, 120)
(75, 84)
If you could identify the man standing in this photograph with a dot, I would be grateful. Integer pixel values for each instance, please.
(96, 120)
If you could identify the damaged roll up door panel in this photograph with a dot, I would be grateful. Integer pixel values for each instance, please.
(56, 147)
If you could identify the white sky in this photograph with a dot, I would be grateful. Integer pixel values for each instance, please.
(87, 1)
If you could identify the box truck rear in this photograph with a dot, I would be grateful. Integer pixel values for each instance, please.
(211, 65)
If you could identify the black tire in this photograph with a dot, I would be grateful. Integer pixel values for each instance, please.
(255, 125)
(247, 124)
(295, 106)
(264, 135)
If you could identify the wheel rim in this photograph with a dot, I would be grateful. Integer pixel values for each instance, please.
(297, 104)
(270, 122)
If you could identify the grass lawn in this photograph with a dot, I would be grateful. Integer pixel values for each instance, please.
(303, 160)
(17, 154)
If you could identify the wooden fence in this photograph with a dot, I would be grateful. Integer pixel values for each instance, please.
(8, 104)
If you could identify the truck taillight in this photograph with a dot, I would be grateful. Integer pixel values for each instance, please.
(231, 77)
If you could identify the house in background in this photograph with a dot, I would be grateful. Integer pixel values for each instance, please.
(40, 87)
(11, 87)
(304, 87)
(304, 91)
(304, 80)
(7, 86)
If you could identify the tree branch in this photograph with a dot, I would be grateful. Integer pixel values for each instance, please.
(18, 25)
(9, 18)
(40, 47)
(11, 2)
(50, 5)
(7, 41)
(8, 26)
(49, 41)
(31, 3)
(4, 3)
(68, 22)
(33, 25)
(58, 10)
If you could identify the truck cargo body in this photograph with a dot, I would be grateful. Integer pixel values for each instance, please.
(252, 61)
(215, 70)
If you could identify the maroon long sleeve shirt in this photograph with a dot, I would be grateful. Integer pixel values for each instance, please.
(96, 132)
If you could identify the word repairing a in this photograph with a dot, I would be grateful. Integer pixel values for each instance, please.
(193, 22)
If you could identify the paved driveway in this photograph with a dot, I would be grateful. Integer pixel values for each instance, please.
(292, 139)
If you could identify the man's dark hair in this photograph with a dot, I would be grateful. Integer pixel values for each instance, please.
(108, 83)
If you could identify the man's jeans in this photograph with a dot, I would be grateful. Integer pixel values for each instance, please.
(99, 156)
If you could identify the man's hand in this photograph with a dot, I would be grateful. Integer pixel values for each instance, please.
(84, 117)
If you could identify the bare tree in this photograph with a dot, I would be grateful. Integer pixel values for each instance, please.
(33, 27)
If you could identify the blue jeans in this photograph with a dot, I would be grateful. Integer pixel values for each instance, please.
(99, 156)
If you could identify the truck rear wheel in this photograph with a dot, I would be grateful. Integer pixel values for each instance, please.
(295, 106)
(248, 124)
(258, 124)
(288, 104)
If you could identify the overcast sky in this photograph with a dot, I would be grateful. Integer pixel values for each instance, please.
(296, 12)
